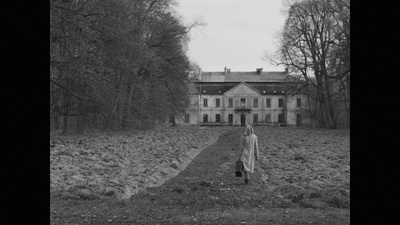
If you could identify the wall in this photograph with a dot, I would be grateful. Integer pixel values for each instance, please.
(224, 110)
(293, 110)
(247, 92)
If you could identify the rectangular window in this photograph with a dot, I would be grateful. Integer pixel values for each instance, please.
(268, 118)
(205, 118)
(298, 119)
(217, 102)
(280, 118)
(281, 102)
(255, 118)
(242, 102)
(230, 118)
(205, 103)
(268, 103)
(217, 118)
(230, 104)
(255, 103)
(299, 102)
(187, 118)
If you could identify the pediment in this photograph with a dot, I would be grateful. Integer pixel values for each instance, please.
(242, 89)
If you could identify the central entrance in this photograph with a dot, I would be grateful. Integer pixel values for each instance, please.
(242, 119)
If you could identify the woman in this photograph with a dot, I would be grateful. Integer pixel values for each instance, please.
(249, 152)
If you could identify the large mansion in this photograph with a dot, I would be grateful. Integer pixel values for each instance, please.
(239, 98)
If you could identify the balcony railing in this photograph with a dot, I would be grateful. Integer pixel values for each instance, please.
(242, 109)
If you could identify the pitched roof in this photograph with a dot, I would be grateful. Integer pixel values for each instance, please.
(214, 90)
(266, 88)
(273, 76)
(243, 83)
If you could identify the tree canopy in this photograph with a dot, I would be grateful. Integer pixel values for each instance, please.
(116, 64)
(315, 45)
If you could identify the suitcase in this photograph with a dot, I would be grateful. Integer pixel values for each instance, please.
(239, 167)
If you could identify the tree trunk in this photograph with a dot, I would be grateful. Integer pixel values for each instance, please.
(321, 114)
(310, 108)
(307, 89)
(56, 125)
(65, 125)
(66, 112)
(80, 124)
(323, 117)
(346, 101)
(329, 107)
(130, 100)
(348, 97)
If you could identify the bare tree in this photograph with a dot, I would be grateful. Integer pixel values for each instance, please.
(315, 42)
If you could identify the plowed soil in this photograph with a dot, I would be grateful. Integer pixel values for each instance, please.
(302, 177)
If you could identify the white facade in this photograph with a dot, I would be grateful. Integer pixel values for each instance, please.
(256, 102)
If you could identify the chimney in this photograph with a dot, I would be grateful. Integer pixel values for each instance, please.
(259, 71)
(225, 70)
(287, 70)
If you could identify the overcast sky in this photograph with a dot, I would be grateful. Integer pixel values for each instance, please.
(237, 34)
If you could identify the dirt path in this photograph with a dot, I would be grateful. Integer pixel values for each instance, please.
(206, 192)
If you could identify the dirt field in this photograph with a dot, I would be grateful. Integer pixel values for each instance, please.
(302, 177)
(121, 164)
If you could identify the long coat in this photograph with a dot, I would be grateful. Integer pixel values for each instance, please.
(249, 146)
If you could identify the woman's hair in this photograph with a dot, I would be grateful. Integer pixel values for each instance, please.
(249, 130)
